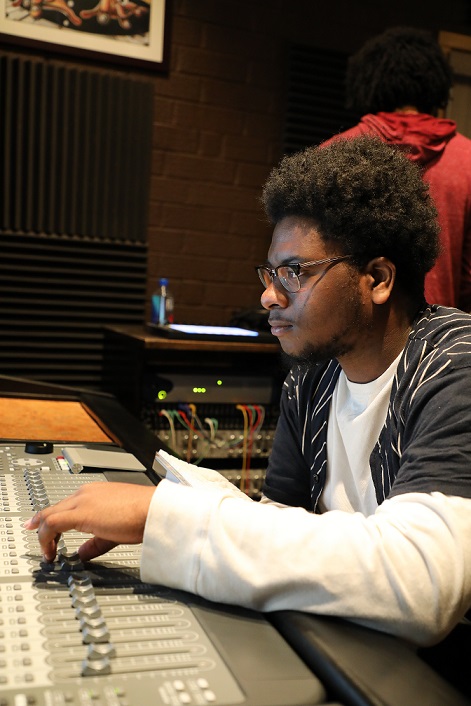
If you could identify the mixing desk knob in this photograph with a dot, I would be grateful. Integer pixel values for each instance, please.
(39, 447)
(94, 667)
(92, 611)
(84, 600)
(81, 590)
(69, 562)
(99, 633)
(77, 579)
(98, 650)
(35, 482)
(21, 700)
(88, 621)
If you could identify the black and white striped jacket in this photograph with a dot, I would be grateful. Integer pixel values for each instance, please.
(425, 444)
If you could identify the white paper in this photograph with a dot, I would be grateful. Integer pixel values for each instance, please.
(179, 471)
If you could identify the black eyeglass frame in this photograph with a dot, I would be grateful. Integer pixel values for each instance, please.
(295, 268)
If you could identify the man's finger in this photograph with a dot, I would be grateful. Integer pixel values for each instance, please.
(63, 505)
(49, 552)
(95, 547)
(51, 526)
(33, 522)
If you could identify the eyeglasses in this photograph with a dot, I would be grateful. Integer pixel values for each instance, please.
(288, 275)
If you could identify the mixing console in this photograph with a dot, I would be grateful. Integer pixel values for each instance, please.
(95, 635)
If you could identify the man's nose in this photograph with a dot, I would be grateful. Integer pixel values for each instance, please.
(273, 296)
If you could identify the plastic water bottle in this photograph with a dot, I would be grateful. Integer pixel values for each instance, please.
(162, 304)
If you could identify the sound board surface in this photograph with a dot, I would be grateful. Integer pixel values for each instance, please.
(95, 635)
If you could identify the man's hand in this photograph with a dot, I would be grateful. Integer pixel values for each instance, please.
(115, 513)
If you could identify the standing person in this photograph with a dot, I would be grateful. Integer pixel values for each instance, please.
(367, 508)
(398, 81)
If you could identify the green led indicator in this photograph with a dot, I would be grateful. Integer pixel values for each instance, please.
(219, 382)
(161, 395)
(199, 390)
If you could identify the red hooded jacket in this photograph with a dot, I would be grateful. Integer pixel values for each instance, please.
(445, 156)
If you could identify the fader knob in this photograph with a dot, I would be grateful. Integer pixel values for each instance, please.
(93, 667)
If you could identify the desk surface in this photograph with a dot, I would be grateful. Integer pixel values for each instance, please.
(142, 337)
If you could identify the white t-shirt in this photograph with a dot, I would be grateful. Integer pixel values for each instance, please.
(358, 413)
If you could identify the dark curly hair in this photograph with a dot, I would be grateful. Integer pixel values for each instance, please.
(365, 196)
(402, 66)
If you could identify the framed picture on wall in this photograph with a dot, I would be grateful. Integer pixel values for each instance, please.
(128, 32)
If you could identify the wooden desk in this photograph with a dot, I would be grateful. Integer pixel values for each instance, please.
(131, 351)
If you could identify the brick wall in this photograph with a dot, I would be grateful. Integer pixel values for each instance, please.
(218, 120)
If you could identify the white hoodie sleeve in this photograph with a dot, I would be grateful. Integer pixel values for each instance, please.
(405, 570)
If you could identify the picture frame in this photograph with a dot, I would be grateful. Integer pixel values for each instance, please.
(126, 32)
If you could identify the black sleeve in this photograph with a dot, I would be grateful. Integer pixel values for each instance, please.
(436, 444)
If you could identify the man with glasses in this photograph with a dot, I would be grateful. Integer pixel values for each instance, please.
(367, 502)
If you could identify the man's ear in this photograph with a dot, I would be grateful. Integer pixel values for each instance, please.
(381, 277)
